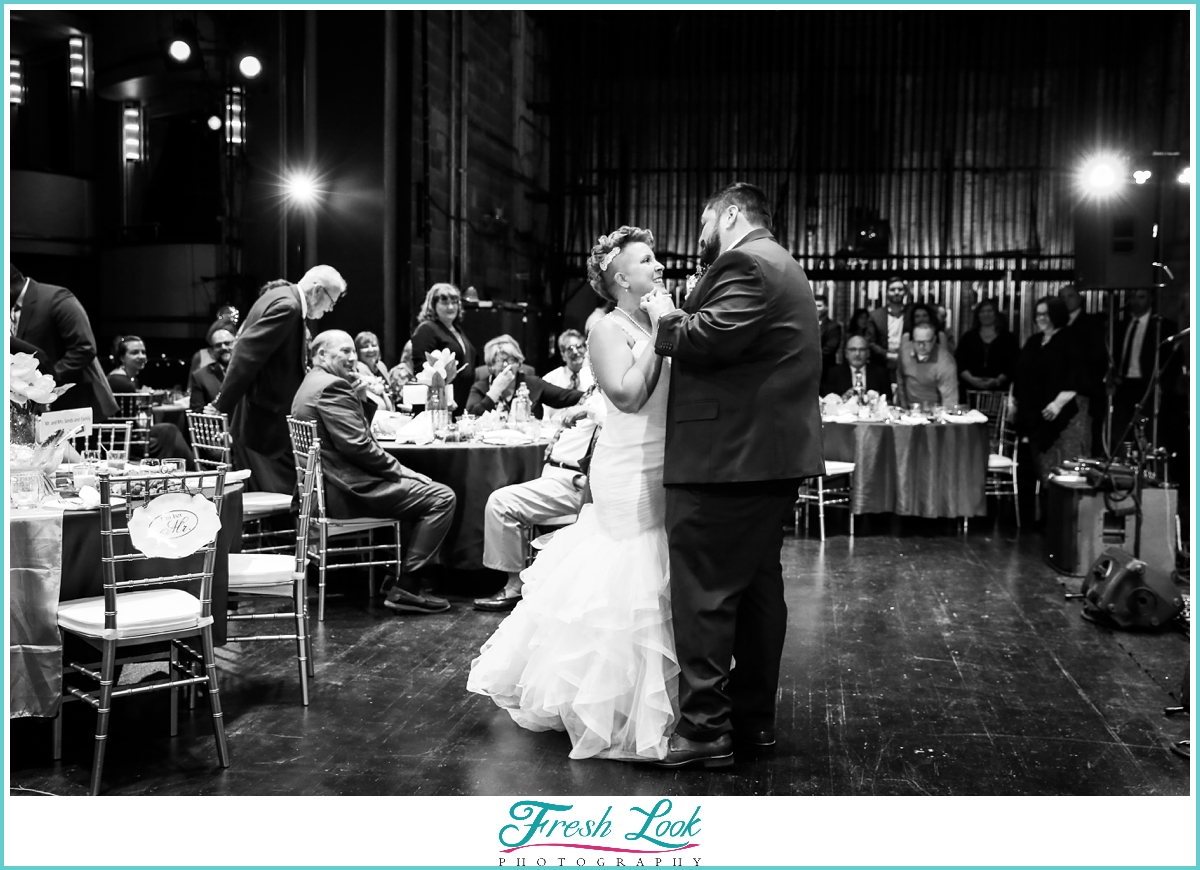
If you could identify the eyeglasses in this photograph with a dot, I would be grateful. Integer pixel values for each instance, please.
(449, 300)
(332, 299)
(573, 348)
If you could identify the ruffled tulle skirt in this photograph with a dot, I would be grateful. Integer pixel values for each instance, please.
(589, 649)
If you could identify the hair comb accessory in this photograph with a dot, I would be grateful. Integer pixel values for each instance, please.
(606, 261)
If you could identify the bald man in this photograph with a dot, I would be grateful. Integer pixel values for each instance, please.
(268, 363)
(361, 480)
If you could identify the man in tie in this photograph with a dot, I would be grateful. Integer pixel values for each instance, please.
(51, 319)
(857, 375)
(927, 373)
(575, 373)
(1137, 357)
(831, 335)
(268, 363)
(361, 480)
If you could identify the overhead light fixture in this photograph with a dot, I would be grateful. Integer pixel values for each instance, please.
(301, 188)
(132, 140)
(180, 50)
(214, 122)
(16, 82)
(235, 118)
(250, 66)
(1102, 176)
(1141, 176)
(1185, 177)
(77, 54)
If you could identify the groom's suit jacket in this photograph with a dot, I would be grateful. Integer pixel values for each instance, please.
(746, 371)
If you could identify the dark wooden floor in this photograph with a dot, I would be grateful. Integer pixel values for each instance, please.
(918, 662)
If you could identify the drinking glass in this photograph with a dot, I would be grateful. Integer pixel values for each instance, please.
(117, 459)
(92, 456)
(84, 474)
(149, 464)
(25, 489)
(173, 466)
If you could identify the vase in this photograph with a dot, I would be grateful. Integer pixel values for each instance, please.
(27, 483)
(438, 412)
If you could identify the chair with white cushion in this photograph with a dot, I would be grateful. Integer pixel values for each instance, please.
(212, 444)
(305, 447)
(131, 615)
(822, 493)
(254, 577)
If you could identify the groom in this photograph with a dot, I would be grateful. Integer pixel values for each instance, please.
(743, 428)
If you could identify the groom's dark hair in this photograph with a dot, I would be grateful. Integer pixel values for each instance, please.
(750, 200)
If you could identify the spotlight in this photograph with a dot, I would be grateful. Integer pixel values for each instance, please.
(1102, 176)
(214, 123)
(180, 50)
(250, 66)
(301, 188)
(1141, 176)
(1185, 177)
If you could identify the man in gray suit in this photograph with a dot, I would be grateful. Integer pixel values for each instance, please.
(364, 481)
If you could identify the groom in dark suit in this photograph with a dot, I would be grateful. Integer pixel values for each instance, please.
(743, 429)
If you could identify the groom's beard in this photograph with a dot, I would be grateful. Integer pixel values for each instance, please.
(710, 249)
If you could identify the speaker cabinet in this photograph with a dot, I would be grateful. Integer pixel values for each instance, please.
(1124, 592)
(1114, 239)
(1079, 528)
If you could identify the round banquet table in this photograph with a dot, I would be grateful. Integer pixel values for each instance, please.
(474, 471)
(53, 561)
(935, 470)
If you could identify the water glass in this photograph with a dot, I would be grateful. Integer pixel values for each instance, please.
(173, 466)
(84, 474)
(117, 460)
(25, 489)
(92, 456)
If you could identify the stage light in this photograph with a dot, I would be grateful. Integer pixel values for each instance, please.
(131, 132)
(1141, 176)
(16, 82)
(1102, 175)
(180, 50)
(214, 123)
(78, 66)
(235, 118)
(301, 188)
(1185, 177)
(250, 66)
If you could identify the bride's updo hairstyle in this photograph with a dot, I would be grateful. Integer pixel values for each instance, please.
(599, 265)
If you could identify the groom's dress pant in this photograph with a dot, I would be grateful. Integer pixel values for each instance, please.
(727, 602)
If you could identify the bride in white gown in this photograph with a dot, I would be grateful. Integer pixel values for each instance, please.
(589, 649)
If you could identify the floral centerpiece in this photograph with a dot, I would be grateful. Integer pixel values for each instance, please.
(28, 391)
(440, 369)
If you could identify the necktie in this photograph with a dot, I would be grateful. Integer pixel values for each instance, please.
(574, 385)
(858, 379)
(1127, 355)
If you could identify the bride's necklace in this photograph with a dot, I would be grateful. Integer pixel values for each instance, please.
(634, 322)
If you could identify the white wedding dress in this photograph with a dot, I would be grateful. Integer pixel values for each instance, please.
(589, 649)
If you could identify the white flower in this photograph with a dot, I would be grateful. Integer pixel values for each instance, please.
(440, 368)
(26, 383)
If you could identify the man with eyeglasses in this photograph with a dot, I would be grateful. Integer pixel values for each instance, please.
(269, 361)
(574, 373)
(927, 374)
(204, 384)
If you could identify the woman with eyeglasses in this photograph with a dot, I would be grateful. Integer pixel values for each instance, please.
(1051, 414)
(372, 372)
(441, 329)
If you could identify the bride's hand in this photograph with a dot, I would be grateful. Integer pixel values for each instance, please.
(656, 305)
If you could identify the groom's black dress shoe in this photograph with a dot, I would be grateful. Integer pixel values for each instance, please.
(708, 754)
(755, 739)
(498, 603)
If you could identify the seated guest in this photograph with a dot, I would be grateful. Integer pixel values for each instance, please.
(227, 318)
(575, 373)
(131, 359)
(205, 382)
(503, 342)
(926, 373)
(558, 492)
(496, 388)
(987, 353)
(831, 335)
(441, 329)
(373, 374)
(920, 313)
(364, 481)
(861, 324)
(857, 375)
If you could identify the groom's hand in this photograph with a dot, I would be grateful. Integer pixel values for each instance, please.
(656, 305)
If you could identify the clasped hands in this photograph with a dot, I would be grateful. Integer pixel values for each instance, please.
(656, 304)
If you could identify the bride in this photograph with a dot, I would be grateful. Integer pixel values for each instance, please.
(589, 649)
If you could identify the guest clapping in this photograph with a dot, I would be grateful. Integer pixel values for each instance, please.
(441, 329)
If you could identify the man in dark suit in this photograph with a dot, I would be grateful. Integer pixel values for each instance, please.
(504, 373)
(268, 363)
(831, 335)
(364, 481)
(51, 319)
(857, 374)
(743, 429)
(1136, 356)
(1088, 333)
(204, 383)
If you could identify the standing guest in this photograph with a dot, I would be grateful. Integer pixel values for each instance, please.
(51, 319)
(268, 363)
(497, 385)
(204, 384)
(575, 373)
(889, 326)
(861, 324)
(1137, 354)
(441, 329)
(831, 335)
(1088, 332)
(924, 313)
(373, 374)
(1050, 411)
(361, 480)
(987, 353)
(745, 341)
(858, 375)
(130, 352)
(927, 374)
